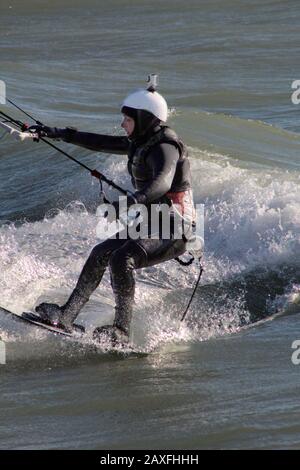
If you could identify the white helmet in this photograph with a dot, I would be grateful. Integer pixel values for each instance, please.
(150, 101)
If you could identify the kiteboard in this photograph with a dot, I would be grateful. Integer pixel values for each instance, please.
(35, 319)
(78, 334)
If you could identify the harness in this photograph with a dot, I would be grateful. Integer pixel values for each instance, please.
(137, 156)
(165, 135)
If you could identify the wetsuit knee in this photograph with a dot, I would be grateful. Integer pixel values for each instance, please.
(129, 257)
(121, 261)
(103, 250)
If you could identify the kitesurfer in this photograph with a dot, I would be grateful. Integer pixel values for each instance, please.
(159, 168)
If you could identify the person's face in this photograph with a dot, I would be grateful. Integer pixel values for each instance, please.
(128, 125)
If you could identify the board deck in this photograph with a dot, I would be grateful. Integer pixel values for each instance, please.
(78, 333)
(33, 318)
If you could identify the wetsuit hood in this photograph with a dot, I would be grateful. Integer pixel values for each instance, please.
(144, 122)
(148, 109)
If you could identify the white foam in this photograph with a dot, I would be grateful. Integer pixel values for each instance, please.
(251, 217)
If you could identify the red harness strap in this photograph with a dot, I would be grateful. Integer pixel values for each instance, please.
(183, 200)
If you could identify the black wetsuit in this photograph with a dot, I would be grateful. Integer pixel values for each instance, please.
(158, 165)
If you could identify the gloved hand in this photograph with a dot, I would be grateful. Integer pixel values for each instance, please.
(45, 131)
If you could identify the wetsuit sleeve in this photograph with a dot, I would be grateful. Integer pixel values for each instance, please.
(162, 161)
(97, 142)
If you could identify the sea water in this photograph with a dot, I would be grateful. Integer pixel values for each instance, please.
(224, 378)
